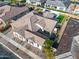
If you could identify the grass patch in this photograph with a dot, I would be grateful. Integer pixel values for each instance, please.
(51, 8)
(39, 9)
(49, 53)
(61, 11)
(60, 18)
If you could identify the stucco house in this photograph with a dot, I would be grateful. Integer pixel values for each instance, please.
(12, 12)
(57, 4)
(36, 2)
(33, 29)
(5, 1)
(76, 10)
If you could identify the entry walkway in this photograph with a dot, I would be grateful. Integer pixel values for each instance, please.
(31, 54)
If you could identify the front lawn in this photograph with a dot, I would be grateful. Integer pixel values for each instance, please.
(60, 18)
(51, 8)
(39, 9)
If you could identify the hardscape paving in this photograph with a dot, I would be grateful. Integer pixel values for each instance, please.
(71, 30)
(28, 46)
(31, 54)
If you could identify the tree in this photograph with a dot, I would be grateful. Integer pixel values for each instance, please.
(15, 1)
(48, 50)
(48, 43)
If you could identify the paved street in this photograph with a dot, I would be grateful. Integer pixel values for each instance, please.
(31, 54)
(71, 30)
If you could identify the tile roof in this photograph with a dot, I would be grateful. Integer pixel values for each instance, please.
(55, 3)
(13, 12)
(77, 7)
(66, 2)
(21, 31)
(35, 38)
(30, 20)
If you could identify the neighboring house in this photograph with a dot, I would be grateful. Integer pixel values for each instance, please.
(58, 5)
(35, 29)
(49, 15)
(12, 12)
(65, 2)
(5, 1)
(36, 2)
(76, 10)
(75, 47)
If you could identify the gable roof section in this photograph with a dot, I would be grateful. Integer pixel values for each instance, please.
(55, 3)
(21, 30)
(25, 20)
(36, 38)
(13, 12)
(47, 23)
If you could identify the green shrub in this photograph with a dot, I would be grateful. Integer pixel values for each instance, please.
(51, 8)
(61, 11)
(60, 18)
(39, 9)
(48, 43)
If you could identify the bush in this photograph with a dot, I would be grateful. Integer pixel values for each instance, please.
(39, 9)
(60, 18)
(51, 8)
(48, 43)
(61, 11)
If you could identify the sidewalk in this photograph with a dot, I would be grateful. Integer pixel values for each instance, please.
(67, 55)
